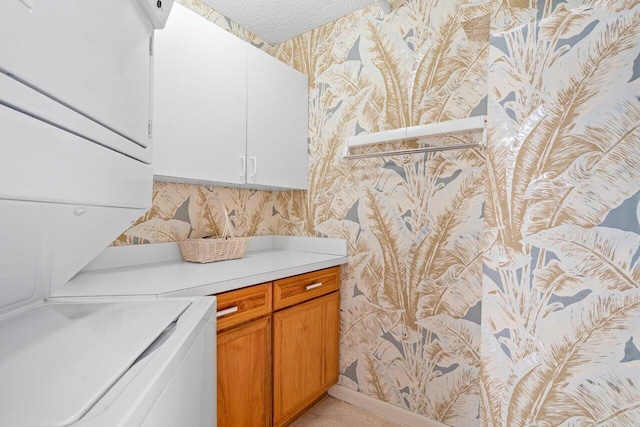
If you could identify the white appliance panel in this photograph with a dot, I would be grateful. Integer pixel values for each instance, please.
(140, 396)
(45, 244)
(23, 98)
(93, 56)
(57, 360)
(57, 166)
(75, 95)
(189, 398)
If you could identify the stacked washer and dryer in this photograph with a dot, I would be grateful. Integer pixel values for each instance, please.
(75, 171)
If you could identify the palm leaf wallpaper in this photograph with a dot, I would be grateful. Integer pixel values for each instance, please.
(496, 287)
(561, 318)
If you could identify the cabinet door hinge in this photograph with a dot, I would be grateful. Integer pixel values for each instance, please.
(150, 46)
(150, 128)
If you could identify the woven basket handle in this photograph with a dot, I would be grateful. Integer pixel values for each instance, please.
(227, 232)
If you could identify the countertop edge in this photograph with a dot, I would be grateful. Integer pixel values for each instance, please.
(95, 282)
(134, 255)
(243, 282)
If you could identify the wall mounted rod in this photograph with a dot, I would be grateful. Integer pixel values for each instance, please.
(414, 151)
(414, 132)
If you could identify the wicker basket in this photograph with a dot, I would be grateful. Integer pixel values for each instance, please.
(210, 249)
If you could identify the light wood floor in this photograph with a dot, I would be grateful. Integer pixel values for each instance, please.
(332, 412)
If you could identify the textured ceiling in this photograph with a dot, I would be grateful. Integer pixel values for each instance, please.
(276, 21)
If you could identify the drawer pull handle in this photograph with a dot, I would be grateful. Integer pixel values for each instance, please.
(314, 285)
(227, 311)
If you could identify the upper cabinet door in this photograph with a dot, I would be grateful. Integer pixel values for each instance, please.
(200, 101)
(277, 128)
(92, 56)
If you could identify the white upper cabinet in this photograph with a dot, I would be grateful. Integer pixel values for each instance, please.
(278, 123)
(92, 56)
(200, 101)
(224, 111)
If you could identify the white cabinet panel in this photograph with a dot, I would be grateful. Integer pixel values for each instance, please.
(199, 100)
(277, 125)
(224, 111)
(90, 55)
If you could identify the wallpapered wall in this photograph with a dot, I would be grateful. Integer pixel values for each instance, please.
(561, 307)
(182, 211)
(410, 325)
(411, 294)
(561, 233)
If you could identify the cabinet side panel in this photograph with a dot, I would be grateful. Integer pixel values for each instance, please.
(331, 338)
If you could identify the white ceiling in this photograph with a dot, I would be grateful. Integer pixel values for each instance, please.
(276, 21)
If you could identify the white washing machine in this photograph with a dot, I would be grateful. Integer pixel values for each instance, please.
(126, 361)
(111, 363)
(75, 153)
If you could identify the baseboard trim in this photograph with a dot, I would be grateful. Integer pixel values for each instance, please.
(383, 409)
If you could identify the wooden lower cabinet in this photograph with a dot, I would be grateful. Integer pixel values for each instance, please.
(272, 365)
(244, 375)
(305, 355)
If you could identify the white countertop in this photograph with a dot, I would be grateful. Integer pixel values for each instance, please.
(134, 271)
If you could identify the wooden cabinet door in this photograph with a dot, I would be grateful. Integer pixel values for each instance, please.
(200, 101)
(277, 123)
(244, 375)
(305, 354)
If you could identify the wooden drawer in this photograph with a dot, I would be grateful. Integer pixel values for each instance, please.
(244, 304)
(296, 289)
